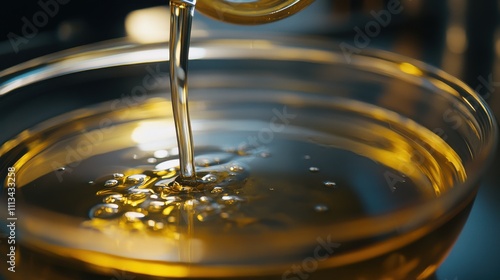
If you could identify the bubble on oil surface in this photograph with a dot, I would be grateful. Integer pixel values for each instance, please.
(132, 216)
(173, 198)
(104, 211)
(155, 199)
(209, 178)
(155, 205)
(135, 179)
(114, 198)
(236, 168)
(111, 183)
(136, 197)
(329, 184)
(155, 225)
(217, 190)
(313, 169)
(203, 217)
(205, 199)
(231, 199)
(141, 191)
(320, 208)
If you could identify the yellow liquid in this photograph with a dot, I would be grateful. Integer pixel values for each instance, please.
(250, 12)
(110, 209)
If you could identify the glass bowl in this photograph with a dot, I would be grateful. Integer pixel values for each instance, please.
(405, 146)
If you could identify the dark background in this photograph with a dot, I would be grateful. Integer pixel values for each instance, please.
(460, 36)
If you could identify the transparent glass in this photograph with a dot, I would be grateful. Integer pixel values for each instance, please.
(406, 121)
(250, 12)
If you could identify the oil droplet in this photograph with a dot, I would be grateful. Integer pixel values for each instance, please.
(217, 190)
(152, 160)
(110, 183)
(313, 169)
(320, 208)
(329, 184)
(271, 189)
(209, 178)
(169, 210)
(136, 196)
(205, 199)
(155, 205)
(176, 187)
(307, 157)
(91, 182)
(135, 179)
(236, 168)
(118, 176)
(202, 217)
(114, 198)
(61, 169)
(104, 211)
(231, 199)
(154, 225)
(142, 191)
(158, 226)
(133, 216)
(173, 198)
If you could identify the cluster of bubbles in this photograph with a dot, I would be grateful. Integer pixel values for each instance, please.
(157, 200)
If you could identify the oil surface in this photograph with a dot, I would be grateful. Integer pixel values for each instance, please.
(265, 190)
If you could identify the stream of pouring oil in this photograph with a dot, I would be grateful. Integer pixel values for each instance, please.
(180, 34)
